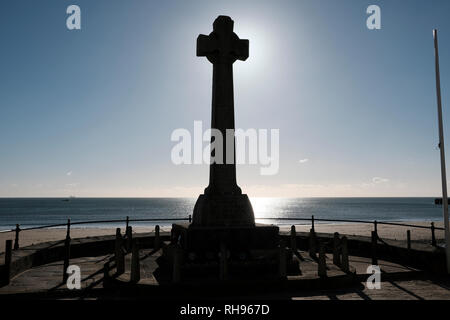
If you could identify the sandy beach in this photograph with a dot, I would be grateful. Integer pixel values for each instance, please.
(385, 232)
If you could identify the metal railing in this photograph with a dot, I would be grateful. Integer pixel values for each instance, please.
(312, 220)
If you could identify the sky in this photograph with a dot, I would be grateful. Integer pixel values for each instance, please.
(90, 112)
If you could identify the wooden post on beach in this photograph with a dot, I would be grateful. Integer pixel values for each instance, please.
(282, 259)
(345, 265)
(375, 227)
(322, 265)
(135, 274)
(127, 221)
(374, 248)
(66, 258)
(293, 239)
(8, 258)
(312, 244)
(176, 272)
(223, 262)
(336, 253)
(157, 241)
(119, 256)
(129, 238)
(16, 241)
(408, 239)
(312, 223)
(433, 235)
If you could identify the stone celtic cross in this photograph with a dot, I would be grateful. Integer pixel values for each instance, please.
(222, 48)
(223, 202)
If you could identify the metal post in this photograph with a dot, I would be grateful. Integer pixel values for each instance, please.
(135, 274)
(374, 248)
(106, 268)
(68, 228)
(8, 258)
(345, 265)
(157, 244)
(120, 258)
(190, 218)
(322, 265)
(282, 260)
(442, 148)
(408, 239)
(16, 241)
(66, 258)
(312, 244)
(433, 235)
(336, 253)
(66, 252)
(129, 238)
(293, 239)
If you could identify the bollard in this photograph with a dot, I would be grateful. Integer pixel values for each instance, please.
(16, 241)
(176, 272)
(120, 257)
(135, 274)
(68, 229)
(345, 266)
(129, 238)
(223, 262)
(293, 239)
(433, 236)
(408, 239)
(312, 223)
(282, 260)
(66, 258)
(322, 265)
(312, 244)
(336, 253)
(106, 270)
(8, 258)
(374, 248)
(157, 242)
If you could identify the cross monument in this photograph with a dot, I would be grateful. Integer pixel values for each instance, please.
(223, 203)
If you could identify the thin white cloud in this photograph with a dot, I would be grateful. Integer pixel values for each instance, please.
(69, 173)
(378, 180)
(72, 185)
(303, 161)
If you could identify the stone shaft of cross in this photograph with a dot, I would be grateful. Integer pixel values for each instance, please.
(222, 48)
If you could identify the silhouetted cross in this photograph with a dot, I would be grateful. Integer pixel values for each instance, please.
(222, 48)
(222, 45)
(223, 203)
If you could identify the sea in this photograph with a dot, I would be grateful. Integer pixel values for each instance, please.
(34, 212)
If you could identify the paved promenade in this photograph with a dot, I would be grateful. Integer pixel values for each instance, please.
(398, 282)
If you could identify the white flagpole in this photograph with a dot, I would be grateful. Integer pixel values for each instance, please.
(442, 148)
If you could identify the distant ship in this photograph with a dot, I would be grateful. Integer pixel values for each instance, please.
(68, 199)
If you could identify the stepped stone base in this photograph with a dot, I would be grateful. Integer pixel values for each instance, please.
(199, 239)
(250, 250)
